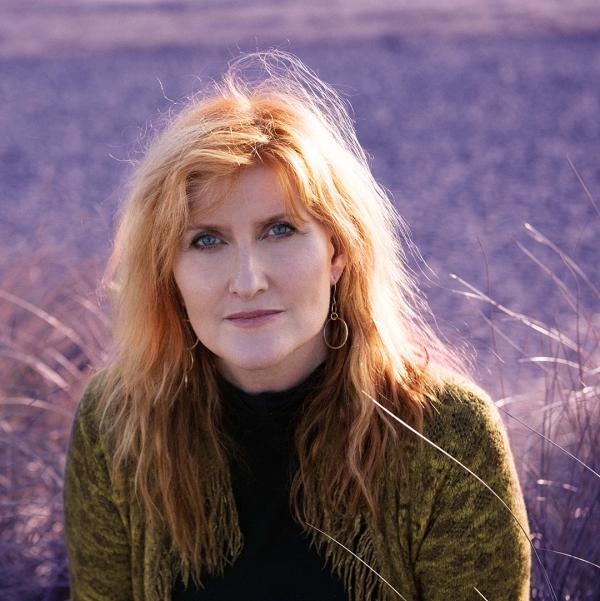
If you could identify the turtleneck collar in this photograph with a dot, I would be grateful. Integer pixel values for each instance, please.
(272, 406)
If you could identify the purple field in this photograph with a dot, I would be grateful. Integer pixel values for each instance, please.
(471, 130)
(475, 119)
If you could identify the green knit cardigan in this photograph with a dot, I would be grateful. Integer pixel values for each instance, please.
(443, 537)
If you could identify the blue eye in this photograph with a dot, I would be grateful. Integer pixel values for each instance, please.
(204, 241)
(278, 229)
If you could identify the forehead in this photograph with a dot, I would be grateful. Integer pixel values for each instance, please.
(257, 189)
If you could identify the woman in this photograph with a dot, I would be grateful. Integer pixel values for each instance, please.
(270, 423)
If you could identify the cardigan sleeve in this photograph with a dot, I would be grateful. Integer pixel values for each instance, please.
(96, 533)
(471, 546)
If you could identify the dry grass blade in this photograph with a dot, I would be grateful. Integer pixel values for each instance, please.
(541, 239)
(480, 480)
(359, 559)
(558, 360)
(61, 327)
(591, 563)
(93, 309)
(499, 333)
(559, 283)
(550, 441)
(480, 593)
(13, 442)
(56, 356)
(575, 397)
(37, 403)
(563, 485)
(42, 368)
(553, 406)
(589, 392)
(534, 324)
(585, 188)
(31, 514)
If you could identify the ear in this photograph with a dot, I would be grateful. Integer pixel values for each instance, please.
(338, 261)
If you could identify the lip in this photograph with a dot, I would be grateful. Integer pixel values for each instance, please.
(252, 314)
(252, 319)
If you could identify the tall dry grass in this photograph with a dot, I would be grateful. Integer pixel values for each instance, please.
(551, 405)
(52, 335)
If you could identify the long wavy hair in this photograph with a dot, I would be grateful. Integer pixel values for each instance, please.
(161, 401)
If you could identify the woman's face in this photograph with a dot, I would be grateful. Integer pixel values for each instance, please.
(247, 255)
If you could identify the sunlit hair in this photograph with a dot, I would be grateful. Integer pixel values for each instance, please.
(163, 402)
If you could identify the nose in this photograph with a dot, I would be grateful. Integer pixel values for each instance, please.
(248, 276)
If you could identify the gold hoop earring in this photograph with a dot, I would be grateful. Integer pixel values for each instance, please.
(333, 316)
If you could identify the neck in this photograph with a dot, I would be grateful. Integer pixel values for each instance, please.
(273, 379)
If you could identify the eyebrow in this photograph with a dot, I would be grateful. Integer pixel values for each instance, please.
(219, 228)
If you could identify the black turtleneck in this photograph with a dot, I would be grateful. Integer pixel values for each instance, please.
(276, 563)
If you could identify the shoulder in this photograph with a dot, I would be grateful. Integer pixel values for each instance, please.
(463, 439)
(460, 398)
(463, 453)
(85, 428)
(465, 448)
(91, 393)
(463, 417)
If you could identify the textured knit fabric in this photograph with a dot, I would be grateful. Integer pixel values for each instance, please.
(276, 562)
(444, 535)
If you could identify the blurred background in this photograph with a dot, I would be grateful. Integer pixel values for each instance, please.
(482, 119)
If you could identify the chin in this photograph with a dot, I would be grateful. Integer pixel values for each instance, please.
(252, 361)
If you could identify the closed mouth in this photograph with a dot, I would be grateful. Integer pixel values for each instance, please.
(252, 314)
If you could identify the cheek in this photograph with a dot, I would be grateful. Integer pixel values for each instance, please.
(194, 286)
(307, 275)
